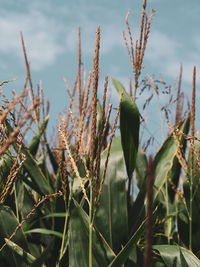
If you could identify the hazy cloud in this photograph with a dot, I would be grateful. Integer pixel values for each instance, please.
(111, 37)
(41, 36)
(166, 54)
(47, 36)
(161, 48)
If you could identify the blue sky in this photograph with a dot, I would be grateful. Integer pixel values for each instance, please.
(50, 34)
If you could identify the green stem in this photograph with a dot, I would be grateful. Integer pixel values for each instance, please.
(134, 96)
(109, 216)
(190, 215)
(16, 202)
(66, 220)
(90, 225)
(129, 193)
(63, 236)
(168, 220)
(90, 246)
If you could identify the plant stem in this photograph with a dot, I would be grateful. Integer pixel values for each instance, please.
(167, 206)
(190, 215)
(67, 208)
(128, 193)
(63, 237)
(149, 212)
(16, 202)
(90, 225)
(110, 216)
(134, 96)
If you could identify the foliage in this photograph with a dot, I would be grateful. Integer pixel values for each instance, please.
(70, 202)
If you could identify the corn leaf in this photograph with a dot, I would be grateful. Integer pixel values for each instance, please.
(27, 257)
(111, 216)
(123, 255)
(52, 159)
(183, 222)
(141, 167)
(31, 166)
(44, 232)
(179, 256)
(6, 163)
(79, 241)
(166, 163)
(129, 127)
(33, 147)
(8, 224)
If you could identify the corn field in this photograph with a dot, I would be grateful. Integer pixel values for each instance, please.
(69, 200)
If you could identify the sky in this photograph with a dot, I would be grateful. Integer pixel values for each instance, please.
(50, 33)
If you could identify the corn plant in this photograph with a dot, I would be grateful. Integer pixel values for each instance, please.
(69, 202)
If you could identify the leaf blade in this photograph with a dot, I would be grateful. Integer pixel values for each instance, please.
(129, 127)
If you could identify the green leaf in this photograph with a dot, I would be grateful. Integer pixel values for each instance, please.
(180, 255)
(46, 255)
(6, 163)
(56, 214)
(8, 224)
(123, 255)
(27, 257)
(167, 173)
(33, 147)
(35, 173)
(26, 202)
(31, 166)
(79, 241)
(141, 167)
(166, 163)
(198, 254)
(175, 171)
(129, 127)
(111, 216)
(183, 222)
(137, 210)
(183, 261)
(44, 232)
(52, 159)
(42, 164)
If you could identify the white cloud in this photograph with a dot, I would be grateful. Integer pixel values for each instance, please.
(166, 54)
(46, 37)
(161, 48)
(110, 37)
(40, 35)
(173, 67)
(153, 1)
(47, 34)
